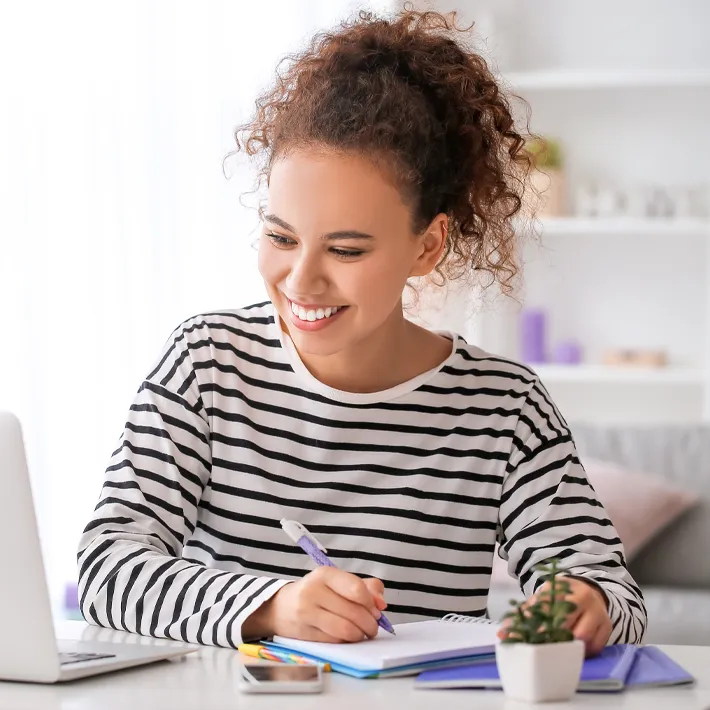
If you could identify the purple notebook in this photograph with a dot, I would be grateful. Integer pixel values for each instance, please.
(614, 669)
(652, 667)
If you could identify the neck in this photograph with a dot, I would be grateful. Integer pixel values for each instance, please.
(394, 353)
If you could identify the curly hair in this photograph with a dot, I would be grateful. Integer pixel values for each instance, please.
(404, 92)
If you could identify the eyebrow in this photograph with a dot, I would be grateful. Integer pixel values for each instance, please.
(330, 236)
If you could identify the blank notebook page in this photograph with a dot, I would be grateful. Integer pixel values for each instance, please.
(416, 642)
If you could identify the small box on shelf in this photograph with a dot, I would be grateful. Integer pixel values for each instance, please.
(635, 358)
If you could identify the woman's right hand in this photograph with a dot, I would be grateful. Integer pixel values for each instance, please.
(327, 604)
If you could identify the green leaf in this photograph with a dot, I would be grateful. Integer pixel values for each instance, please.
(542, 621)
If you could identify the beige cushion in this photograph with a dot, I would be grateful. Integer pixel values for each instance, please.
(640, 505)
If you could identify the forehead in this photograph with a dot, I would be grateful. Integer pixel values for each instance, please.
(331, 191)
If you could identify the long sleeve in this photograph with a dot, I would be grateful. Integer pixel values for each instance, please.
(131, 573)
(549, 509)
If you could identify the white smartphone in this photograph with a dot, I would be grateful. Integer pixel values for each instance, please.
(280, 678)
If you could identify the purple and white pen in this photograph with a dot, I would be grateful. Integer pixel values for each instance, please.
(308, 543)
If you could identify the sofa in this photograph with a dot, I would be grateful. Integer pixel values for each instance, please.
(673, 568)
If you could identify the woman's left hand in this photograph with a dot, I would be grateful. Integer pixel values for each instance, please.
(590, 621)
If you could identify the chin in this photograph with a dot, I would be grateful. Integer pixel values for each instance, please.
(315, 343)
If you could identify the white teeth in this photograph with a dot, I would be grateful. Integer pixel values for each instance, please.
(314, 314)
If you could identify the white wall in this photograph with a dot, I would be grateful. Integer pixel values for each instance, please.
(608, 34)
(116, 220)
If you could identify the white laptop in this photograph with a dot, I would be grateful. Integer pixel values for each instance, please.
(29, 650)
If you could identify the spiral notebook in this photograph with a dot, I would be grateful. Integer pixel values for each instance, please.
(437, 643)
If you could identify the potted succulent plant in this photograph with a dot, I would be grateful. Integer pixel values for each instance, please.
(538, 658)
(547, 176)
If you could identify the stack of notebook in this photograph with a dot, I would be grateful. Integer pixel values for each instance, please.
(416, 646)
(459, 652)
(616, 668)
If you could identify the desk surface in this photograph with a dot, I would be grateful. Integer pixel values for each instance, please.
(206, 680)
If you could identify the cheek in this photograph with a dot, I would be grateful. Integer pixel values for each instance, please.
(381, 281)
(263, 265)
(270, 264)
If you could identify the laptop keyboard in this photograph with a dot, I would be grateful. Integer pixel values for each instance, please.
(74, 657)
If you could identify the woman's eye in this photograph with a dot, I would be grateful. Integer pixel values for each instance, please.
(279, 240)
(347, 253)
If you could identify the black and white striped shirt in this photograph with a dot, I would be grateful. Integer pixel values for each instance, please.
(230, 433)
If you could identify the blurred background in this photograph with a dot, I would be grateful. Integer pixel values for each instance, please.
(613, 310)
(117, 221)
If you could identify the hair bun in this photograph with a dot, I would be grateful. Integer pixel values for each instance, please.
(403, 88)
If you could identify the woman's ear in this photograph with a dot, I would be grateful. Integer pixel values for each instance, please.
(431, 243)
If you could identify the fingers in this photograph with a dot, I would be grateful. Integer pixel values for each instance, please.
(589, 621)
(579, 594)
(313, 633)
(377, 589)
(348, 598)
(374, 585)
(338, 627)
(600, 639)
(594, 629)
(328, 605)
(358, 621)
(586, 628)
(574, 616)
(348, 586)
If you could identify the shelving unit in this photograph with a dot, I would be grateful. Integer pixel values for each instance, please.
(600, 375)
(561, 79)
(625, 226)
(631, 116)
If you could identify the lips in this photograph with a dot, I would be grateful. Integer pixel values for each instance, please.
(312, 313)
(312, 317)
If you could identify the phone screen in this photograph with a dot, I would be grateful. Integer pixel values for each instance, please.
(283, 673)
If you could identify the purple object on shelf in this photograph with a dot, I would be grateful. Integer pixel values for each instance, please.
(532, 335)
(71, 597)
(568, 352)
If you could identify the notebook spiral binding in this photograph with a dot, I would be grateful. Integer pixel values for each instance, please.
(461, 619)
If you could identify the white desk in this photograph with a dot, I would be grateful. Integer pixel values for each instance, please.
(206, 680)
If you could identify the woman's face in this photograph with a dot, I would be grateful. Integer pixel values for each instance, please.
(337, 248)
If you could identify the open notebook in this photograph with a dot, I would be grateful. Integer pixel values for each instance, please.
(417, 645)
(615, 668)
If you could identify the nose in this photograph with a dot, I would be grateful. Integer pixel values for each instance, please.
(306, 276)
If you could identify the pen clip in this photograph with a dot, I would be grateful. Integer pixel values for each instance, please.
(296, 531)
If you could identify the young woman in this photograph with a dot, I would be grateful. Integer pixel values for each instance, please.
(389, 153)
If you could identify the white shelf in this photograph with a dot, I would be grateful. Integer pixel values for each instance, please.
(601, 374)
(623, 225)
(560, 79)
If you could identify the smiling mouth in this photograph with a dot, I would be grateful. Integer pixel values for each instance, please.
(314, 314)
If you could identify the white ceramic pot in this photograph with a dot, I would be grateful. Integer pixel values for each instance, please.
(540, 672)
